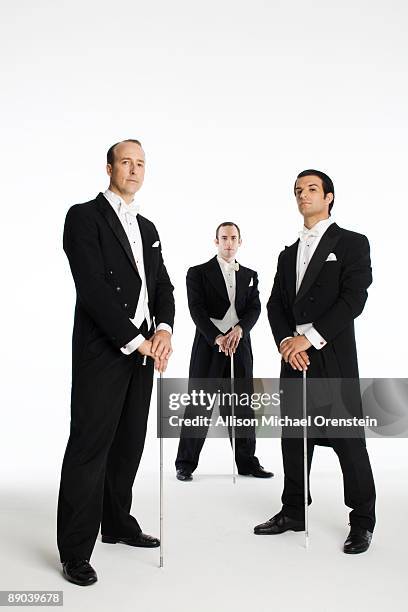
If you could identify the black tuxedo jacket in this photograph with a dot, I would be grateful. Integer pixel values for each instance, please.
(106, 277)
(208, 299)
(332, 294)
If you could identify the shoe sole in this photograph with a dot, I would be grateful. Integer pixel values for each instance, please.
(270, 475)
(256, 476)
(278, 532)
(109, 540)
(355, 552)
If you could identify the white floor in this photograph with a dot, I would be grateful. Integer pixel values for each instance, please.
(213, 562)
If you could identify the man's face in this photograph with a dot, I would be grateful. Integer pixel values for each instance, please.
(228, 241)
(310, 197)
(128, 168)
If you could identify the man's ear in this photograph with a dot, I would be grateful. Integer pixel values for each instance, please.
(329, 197)
(109, 169)
(216, 242)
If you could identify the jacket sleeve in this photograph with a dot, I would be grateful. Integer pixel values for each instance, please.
(253, 308)
(355, 278)
(277, 316)
(196, 304)
(97, 296)
(163, 309)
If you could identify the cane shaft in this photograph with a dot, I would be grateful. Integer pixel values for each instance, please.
(234, 476)
(161, 467)
(305, 461)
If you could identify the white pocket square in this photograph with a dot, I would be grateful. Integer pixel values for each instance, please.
(251, 283)
(156, 244)
(331, 257)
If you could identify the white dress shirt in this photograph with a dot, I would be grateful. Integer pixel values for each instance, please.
(127, 214)
(309, 239)
(230, 318)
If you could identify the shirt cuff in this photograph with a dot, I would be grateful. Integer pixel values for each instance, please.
(283, 340)
(133, 345)
(315, 338)
(164, 327)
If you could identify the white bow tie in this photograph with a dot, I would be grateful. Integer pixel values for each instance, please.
(305, 234)
(231, 267)
(131, 209)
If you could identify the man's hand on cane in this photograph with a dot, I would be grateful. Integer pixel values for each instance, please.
(161, 349)
(293, 351)
(231, 340)
(220, 342)
(161, 344)
(158, 348)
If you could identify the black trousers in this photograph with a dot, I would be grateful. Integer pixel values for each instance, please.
(359, 488)
(189, 449)
(109, 407)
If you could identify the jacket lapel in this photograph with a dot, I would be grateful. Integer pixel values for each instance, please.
(242, 279)
(216, 278)
(147, 244)
(290, 270)
(325, 246)
(113, 220)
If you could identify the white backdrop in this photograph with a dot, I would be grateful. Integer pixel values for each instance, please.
(230, 100)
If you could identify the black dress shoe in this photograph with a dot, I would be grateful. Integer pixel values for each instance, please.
(279, 524)
(358, 541)
(79, 572)
(142, 540)
(183, 474)
(257, 471)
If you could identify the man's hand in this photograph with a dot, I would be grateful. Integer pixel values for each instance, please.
(220, 341)
(300, 361)
(161, 344)
(231, 340)
(146, 349)
(293, 351)
(161, 349)
(229, 343)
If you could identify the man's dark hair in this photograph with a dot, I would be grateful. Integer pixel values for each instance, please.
(227, 224)
(110, 156)
(328, 186)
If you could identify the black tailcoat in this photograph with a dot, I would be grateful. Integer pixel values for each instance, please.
(332, 294)
(208, 299)
(110, 390)
(106, 277)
